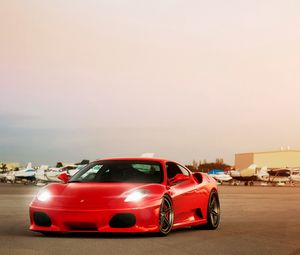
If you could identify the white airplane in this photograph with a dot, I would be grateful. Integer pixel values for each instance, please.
(10, 177)
(278, 176)
(40, 174)
(45, 174)
(220, 176)
(246, 175)
(263, 174)
(26, 174)
(295, 175)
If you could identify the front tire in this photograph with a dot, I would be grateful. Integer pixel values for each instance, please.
(213, 211)
(166, 216)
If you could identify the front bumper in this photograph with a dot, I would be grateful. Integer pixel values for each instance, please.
(64, 220)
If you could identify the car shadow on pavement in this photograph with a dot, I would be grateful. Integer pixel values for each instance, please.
(96, 235)
(92, 235)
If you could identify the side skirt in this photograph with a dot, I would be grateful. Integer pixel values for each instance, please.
(189, 223)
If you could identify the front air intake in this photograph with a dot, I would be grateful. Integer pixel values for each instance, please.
(42, 219)
(122, 220)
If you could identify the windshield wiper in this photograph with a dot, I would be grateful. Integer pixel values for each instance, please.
(75, 181)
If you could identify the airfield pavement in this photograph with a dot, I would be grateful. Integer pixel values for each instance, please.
(255, 220)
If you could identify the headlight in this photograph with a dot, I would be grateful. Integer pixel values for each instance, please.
(137, 195)
(44, 196)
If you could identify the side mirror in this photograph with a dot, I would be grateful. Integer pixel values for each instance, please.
(64, 177)
(178, 178)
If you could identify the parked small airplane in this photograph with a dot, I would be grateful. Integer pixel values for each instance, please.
(295, 175)
(40, 174)
(278, 176)
(45, 174)
(219, 175)
(247, 175)
(263, 174)
(26, 174)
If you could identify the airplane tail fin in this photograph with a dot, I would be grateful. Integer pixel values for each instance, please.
(252, 167)
(263, 173)
(29, 165)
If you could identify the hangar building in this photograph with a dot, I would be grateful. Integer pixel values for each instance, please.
(272, 159)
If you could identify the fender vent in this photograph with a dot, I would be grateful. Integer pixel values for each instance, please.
(198, 177)
(199, 213)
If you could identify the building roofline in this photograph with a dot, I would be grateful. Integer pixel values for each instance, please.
(266, 152)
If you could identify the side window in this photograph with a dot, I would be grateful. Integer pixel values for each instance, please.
(183, 170)
(172, 170)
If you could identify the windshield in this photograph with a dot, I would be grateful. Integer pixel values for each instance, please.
(130, 171)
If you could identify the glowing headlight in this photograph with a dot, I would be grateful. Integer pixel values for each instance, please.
(44, 196)
(136, 195)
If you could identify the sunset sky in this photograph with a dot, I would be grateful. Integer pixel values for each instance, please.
(184, 79)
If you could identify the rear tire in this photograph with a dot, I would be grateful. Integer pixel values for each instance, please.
(166, 216)
(213, 211)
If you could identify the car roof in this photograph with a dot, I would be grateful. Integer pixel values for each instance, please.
(161, 160)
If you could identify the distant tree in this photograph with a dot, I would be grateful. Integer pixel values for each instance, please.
(59, 164)
(192, 168)
(3, 167)
(219, 161)
(195, 164)
(205, 167)
(219, 164)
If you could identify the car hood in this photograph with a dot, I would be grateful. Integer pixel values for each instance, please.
(96, 196)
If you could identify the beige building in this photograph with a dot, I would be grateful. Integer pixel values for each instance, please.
(272, 159)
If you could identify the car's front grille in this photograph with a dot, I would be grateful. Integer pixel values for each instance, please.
(81, 226)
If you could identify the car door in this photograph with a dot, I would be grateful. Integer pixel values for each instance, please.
(182, 192)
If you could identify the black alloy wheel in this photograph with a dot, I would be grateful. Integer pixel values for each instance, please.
(166, 216)
(213, 211)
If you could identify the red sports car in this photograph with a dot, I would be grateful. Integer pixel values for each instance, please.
(127, 195)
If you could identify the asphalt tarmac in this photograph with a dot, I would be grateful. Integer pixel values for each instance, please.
(255, 220)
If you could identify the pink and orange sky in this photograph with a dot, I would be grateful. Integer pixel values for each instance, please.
(185, 79)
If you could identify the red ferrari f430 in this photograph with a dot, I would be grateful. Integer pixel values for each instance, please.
(127, 195)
